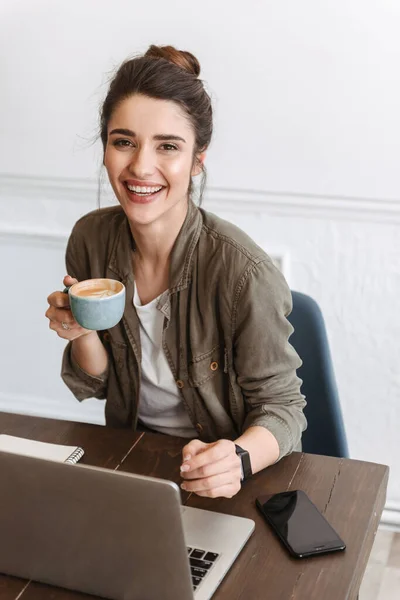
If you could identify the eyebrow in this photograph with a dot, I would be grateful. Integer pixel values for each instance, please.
(161, 136)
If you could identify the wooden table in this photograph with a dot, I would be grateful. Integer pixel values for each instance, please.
(351, 494)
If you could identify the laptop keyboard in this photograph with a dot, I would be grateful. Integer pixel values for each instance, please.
(201, 562)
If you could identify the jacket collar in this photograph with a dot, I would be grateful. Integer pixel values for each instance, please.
(120, 260)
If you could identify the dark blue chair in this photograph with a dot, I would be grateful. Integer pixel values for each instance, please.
(325, 433)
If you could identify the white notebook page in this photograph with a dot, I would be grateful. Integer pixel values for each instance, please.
(56, 452)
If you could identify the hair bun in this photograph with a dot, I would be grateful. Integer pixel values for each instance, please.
(181, 58)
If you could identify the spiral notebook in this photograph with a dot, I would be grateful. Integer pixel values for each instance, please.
(56, 452)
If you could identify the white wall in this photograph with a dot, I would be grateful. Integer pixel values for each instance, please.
(307, 93)
(306, 98)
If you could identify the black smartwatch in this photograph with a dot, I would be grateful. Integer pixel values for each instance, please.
(246, 464)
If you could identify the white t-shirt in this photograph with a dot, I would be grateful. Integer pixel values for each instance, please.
(160, 404)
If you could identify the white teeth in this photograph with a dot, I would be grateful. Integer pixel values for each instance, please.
(143, 190)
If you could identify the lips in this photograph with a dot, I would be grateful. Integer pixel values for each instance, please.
(142, 183)
(143, 194)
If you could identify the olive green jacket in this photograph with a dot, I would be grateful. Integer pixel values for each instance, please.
(225, 329)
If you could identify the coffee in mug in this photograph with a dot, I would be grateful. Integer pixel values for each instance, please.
(95, 291)
(97, 304)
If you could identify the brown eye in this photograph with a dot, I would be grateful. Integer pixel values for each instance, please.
(122, 143)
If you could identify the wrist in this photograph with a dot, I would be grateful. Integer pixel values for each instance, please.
(262, 446)
(86, 338)
(89, 334)
(89, 354)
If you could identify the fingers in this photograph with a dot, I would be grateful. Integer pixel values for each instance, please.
(224, 491)
(202, 454)
(68, 280)
(60, 315)
(69, 332)
(59, 300)
(193, 448)
(225, 484)
(227, 464)
(72, 332)
(212, 470)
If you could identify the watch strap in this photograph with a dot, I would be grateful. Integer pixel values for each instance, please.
(245, 460)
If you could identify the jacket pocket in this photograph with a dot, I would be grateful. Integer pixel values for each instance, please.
(205, 366)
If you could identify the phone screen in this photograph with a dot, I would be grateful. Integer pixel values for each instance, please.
(299, 523)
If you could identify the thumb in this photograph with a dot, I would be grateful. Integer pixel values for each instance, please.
(68, 280)
(192, 448)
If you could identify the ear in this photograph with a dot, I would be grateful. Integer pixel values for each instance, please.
(198, 163)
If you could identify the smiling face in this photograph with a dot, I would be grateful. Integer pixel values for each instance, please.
(149, 158)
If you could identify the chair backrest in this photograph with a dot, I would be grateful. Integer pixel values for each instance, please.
(325, 433)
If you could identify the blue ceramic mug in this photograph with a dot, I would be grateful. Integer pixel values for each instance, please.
(97, 304)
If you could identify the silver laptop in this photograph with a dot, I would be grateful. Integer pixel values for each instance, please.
(111, 534)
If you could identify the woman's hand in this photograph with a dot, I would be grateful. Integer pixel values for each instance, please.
(60, 315)
(212, 470)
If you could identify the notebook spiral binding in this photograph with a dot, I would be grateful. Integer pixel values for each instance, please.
(75, 456)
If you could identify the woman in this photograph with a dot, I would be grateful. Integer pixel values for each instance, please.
(202, 350)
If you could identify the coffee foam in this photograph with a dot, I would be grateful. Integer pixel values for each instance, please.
(95, 292)
(97, 288)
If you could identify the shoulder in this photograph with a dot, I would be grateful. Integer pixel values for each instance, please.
(230, 246)
(222, 233)
(91, 242)
(98, 224)
(226, 248)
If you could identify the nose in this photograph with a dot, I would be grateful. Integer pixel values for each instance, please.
(142, 163)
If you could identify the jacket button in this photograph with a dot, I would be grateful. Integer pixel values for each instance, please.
(214, 366)
(180, 384)
(106, 337)
(199, 427)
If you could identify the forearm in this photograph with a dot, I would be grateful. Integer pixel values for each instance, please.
(262, 446)
(90, 354)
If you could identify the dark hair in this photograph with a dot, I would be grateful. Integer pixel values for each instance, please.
(164, 73)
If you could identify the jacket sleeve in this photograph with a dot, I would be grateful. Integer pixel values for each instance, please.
(82, 384)
(264, 361)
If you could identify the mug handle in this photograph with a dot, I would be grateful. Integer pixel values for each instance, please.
(66, 290)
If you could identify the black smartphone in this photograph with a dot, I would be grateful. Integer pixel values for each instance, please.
(299, 524)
